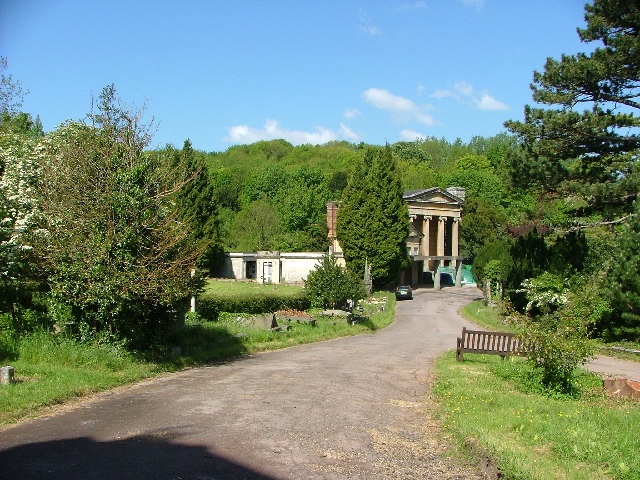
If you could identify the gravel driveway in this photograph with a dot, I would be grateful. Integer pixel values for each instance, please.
(354, 408)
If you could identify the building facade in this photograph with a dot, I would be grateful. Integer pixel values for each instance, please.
(433, 239)
(270, 267)
(433, 236)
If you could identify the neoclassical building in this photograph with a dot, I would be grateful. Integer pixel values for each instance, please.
(434, 226)
(432, 240)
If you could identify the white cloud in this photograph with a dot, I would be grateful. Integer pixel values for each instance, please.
(386, 100)
(440, 94)
(403, 109)
(349, 134)
(465, 93)
(412, 135)
(243, 134)
(477, 4)
(351, 113)
(487, 102)
(366, 25)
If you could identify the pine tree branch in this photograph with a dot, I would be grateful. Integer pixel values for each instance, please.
(600, 224)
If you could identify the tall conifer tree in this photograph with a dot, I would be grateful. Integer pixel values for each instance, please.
(373, 219)
(196, 200)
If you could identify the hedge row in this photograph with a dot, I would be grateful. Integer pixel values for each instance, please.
(209, 307)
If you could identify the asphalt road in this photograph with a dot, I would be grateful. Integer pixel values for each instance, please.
(356, 408)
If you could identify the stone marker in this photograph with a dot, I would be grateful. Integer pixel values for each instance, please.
(6, 375)
(267, 321)
(348, 316)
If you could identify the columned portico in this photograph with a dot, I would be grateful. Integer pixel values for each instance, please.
(435, 219)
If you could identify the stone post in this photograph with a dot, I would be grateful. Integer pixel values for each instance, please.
(193, 298)
(436, 278)
(454, 236)
(459, 268)
(6, 375)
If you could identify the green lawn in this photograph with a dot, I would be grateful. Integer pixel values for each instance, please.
(533, 435)
(230, 288)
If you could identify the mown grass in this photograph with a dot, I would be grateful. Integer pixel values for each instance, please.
(488, 317)
(226, 288)
(500, 407)
(51, 369)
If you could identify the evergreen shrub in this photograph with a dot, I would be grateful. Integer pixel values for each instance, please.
(210, 306)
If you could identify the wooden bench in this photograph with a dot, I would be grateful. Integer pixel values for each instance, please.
(492, 343)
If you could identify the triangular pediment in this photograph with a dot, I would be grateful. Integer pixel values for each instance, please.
(432, 195)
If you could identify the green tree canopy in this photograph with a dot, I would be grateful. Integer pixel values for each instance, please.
(587, 146)
(624, 284)
(483, 223)
(197, 203)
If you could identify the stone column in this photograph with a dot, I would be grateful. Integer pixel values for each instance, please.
(454, 236)
(426, 219)
(441, 226)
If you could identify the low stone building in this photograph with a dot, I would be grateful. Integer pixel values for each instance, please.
(270, 267)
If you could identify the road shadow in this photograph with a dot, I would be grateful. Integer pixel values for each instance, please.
(151, 456)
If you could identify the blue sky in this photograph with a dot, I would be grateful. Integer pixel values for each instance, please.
(231, 72)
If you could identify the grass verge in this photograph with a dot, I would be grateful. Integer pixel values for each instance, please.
(533, 435)
(52, 369)
(499, 407)
(227, 288)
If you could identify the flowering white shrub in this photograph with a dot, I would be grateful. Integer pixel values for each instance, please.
(546, 292)
(19, 169)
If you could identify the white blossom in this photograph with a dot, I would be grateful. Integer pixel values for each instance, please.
(19, 168)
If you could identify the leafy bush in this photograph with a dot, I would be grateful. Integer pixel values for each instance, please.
(545, 293)
(556, 344)
(331, 286)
